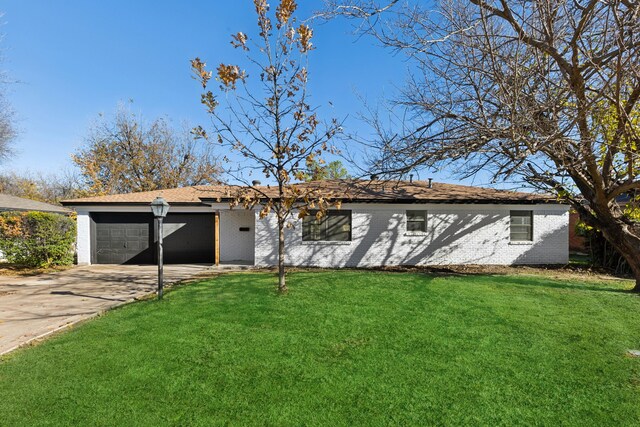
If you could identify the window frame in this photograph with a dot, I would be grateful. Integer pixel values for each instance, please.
(424, 221)
(323, 237)
(521, 214)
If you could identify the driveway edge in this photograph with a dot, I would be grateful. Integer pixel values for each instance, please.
(33, 341)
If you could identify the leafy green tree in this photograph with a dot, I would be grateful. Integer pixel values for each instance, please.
(332, 170)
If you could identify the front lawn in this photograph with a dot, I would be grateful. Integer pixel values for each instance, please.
(343, 348)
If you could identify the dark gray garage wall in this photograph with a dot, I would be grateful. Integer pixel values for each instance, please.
(129, 238)
(189, 238)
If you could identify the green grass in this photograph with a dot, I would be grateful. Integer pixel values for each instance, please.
(343, 348)
(580, 260)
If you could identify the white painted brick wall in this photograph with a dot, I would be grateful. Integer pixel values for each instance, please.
(456, 234)
(83, 243)
(236, 245)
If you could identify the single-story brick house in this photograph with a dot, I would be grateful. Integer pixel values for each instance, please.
(379, 223)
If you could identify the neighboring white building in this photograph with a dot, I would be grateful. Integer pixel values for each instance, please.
(379, 223)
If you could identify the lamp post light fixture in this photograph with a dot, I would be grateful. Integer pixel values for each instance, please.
(160, 208)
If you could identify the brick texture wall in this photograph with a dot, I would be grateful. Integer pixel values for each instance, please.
(236, 245)
(456, 234)
(83, 240)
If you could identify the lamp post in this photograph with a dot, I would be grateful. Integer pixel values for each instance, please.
(160, 207)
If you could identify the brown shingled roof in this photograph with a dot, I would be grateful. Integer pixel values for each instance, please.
(183, 195)
(347, 190)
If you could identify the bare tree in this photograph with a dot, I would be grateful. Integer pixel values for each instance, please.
(8, 131)
(126, 154)
(267, 124)
(540, 91)
(50, 188)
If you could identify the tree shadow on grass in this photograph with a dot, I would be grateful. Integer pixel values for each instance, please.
(529, 275)
(562, 284)
(506, 275)
(502, 275)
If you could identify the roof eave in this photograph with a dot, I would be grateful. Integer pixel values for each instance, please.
(207, 200)
(59, 211)
(88, 203)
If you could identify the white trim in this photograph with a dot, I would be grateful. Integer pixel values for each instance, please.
(326, 242)
(416, 233)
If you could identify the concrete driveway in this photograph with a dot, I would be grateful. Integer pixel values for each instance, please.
(32, 307)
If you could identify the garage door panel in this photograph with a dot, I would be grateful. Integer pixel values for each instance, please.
(117, 245)
(101, 244)
(132, 232)
(115, 233)
(135, 246)
(122, 238)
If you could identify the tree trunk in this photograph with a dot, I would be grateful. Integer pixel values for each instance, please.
(282, 284)
(625, 241)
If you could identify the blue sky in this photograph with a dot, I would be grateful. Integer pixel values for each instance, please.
(74, 59)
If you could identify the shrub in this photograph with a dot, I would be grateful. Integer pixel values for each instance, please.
(37, 239)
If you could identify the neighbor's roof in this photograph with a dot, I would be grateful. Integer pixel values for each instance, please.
(345, 190)
(13, 203)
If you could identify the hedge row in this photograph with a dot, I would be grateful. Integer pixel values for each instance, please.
(37, 239)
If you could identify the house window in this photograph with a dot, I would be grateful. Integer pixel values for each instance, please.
(521, 226)
(335, 226)
(417, 221)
